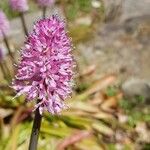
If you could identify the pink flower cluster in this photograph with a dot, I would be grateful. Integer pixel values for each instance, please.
(4, 24)
(19, 5)
(45, 3)
(45, 70)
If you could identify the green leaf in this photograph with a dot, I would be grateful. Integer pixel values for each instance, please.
(102, 128)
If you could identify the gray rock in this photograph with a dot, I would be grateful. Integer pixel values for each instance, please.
(136, 87)
(123, 10)
(113, 9)
(135, 8)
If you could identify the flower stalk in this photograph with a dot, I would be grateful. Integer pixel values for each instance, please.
(5, 71)
(23, 23)
(44, 12)
(44, 4)
(35, 130)
(8, 47)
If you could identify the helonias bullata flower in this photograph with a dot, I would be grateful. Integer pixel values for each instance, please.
(19, 5)
(45, 70)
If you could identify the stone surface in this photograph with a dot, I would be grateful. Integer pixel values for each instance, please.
(114, 49)
(135, 8)
(126, 9)
(137, 87)
(122, 45)
(113, 9)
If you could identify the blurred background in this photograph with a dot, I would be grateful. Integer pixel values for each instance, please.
(109, 108)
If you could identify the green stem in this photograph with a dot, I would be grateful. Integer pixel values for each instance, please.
(44, 12)
(8, 47)
(35, 131)
(7, 69)
(24, 24)
(3, 71)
